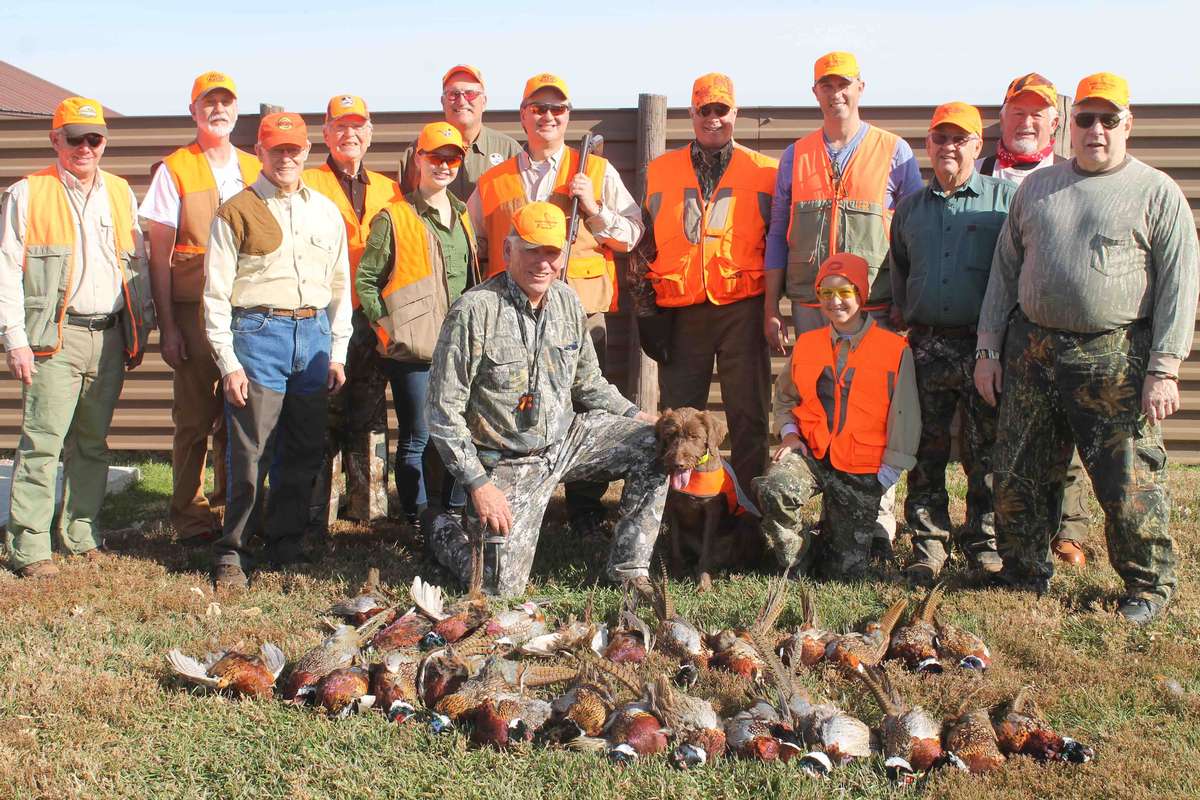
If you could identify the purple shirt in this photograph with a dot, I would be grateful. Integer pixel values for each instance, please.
(905, 177)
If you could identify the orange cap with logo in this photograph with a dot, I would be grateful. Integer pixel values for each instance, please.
(1034, 84)
(76, 116)
(712, 88)
(962, 115)
(849, 266)
(1104, 86)
(282, 127)
(465, 68)
(346, 105)
(838, 62)
(208, 81)
(439, 134)
(541, 225)
(545, 80)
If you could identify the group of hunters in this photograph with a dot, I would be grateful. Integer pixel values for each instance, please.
(1047, 301)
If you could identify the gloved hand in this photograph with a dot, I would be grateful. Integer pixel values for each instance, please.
(887, 475)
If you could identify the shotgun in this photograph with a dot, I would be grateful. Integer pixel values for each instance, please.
(591, 143)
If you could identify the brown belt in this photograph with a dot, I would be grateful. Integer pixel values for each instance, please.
(294, 313)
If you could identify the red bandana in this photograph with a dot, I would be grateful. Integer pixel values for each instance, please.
(1006, 158)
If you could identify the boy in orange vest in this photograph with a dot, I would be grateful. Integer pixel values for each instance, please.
(848, 415)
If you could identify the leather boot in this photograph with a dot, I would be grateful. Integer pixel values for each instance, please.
(929, 556)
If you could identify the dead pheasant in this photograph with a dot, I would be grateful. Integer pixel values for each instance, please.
(500, 679)
(344, 692)
(342, 648)
(970, 738)
(230, 671)
(394, 685)
(693, 723)
(628, 639)
(853, 651)
(957, 646)
(914, 643)
(580, 711)
(454, 623)
(911, 740)
(369, 601)
(734, 650)
(675, 635)
(1022, 730)
(807, 641)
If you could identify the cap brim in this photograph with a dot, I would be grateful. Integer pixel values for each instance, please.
(213, 89)
(80, 129)
(1036, 93)
(528, 245)
(555, 87)
(271, 142)
(349, 115)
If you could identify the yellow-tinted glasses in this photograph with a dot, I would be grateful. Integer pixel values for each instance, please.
(827, 293)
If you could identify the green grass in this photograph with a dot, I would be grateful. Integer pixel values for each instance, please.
(88, 710)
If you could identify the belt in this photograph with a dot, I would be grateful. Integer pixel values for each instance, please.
(295, 313)
(955, 332)
(93, 322)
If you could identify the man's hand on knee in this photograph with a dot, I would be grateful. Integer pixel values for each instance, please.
(492, 507)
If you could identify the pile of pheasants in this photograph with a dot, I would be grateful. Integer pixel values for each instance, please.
(505, 677)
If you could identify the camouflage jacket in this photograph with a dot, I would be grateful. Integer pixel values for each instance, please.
(494, 347)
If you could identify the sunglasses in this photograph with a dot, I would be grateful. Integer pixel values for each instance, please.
(841, 292)
(438, 159)
(1110, 120)
(712, 110)
(93, 140)
(538, 109)
(957, 139)
(470, 95)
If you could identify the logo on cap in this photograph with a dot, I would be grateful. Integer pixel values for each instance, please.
(346, 101)
(546, 223)
(213, 77)
(284, 124)
(86, 111)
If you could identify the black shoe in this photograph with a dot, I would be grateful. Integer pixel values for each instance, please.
(1139, 610)
(229, 578)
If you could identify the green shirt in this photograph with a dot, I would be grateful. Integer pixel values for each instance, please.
(456, 250)
(491, 147)
(942, 248)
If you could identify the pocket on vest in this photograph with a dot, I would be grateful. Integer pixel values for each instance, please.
(45, 293)
(411, 330)
(866, 449)
(595, 291)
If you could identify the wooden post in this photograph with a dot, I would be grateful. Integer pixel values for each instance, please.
(1062, 139)
(651, 143)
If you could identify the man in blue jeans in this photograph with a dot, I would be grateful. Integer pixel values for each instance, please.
(277, 313)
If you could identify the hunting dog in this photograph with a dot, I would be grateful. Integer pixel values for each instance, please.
(708, 517)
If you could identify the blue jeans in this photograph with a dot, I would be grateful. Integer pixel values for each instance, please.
(415, 455)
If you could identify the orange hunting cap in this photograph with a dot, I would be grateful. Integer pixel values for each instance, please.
(849, 266)
(836, 63)
(541, 225)
(465, 68)
(1105, 86)
(439, 134)
(282, 127)
(963, 115)
(346, 105)
(1034, 84)
(208, 81)
(76, 116)
(712, 88)
(543, 80)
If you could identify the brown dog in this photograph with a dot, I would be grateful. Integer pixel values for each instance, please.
(708, 519)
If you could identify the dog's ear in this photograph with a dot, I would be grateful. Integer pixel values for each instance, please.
(716, 429)
(665, 428)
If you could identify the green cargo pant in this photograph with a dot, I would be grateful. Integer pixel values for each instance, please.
(67, 411)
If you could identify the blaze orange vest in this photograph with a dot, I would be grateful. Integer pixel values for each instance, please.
(381, 190)
(198, 203)
(415, 297)
(848, 214)
(846, 415)
(49, 263)
(720, 482)
(592, 271)
(709, 251)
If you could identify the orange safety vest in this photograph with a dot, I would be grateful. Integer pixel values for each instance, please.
(381, 190)
(49, 263)
(592, 271)
(709, 250)
(198, 203)
(415, 296)
(719, 482)
(846, 215)
(846, 415)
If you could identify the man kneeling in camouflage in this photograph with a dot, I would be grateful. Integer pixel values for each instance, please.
(512, 356)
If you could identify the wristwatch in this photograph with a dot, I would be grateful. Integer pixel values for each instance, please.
(1164, 375)
(982, 352)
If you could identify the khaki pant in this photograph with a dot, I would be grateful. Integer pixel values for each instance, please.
(197, 411)
(67, 411)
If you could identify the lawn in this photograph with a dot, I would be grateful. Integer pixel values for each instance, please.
(88, 709)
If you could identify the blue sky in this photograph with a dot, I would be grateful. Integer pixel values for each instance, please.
(140, 58)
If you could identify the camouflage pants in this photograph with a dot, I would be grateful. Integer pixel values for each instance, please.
(851, 504)
(598, 446)
(1061, 389)
(945, 369)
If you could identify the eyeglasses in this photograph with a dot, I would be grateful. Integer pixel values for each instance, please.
(957, 139)
(538, 109)
(712, 110)
(826, 293)
(94, 140)
(343, 128)
(1110, 120)
(442, 160)
(470, 95)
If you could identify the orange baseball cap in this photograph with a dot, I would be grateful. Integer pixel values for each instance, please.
(541, 225)
(1033, 83)
(282, 127)
(212, 80)
(543, 80)
(346, 105)
(963, 115)
(1105, 86)
(849, 266)
(467, 68)
(76, 116)
(712, 88)
(838, 62)
(439, 134)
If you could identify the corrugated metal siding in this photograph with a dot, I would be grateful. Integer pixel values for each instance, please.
(1166, 136)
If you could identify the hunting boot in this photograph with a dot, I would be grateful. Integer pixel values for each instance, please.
(929, 556)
